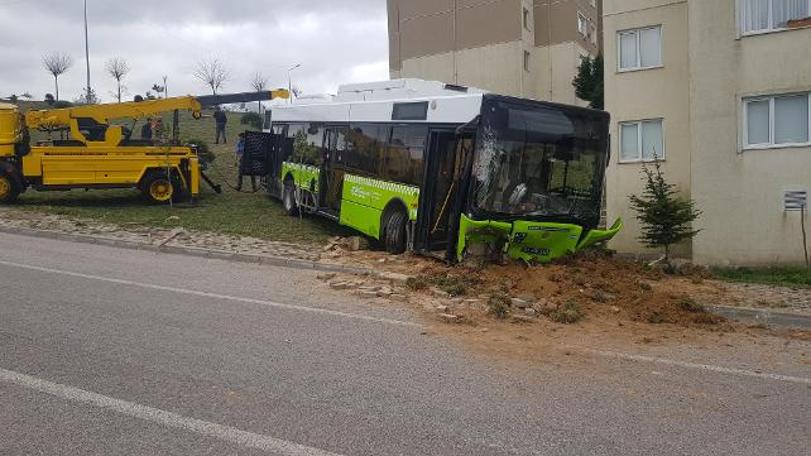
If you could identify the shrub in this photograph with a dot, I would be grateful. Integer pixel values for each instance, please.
(567, 313)
(499, 305)
(252, 119)
(203, 151)
(690, 305)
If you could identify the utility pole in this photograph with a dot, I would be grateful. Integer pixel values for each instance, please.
(87, 51)
(165, 87)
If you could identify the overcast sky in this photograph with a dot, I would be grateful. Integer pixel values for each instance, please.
(335, 41)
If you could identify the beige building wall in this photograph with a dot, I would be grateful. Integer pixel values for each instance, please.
(659, 93)
(741, 192)
(707, 71)
(486, 44)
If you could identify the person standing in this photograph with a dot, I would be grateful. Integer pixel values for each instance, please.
(146, 130)
(221, 120)
(239, 151)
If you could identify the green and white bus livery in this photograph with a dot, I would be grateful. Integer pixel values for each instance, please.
(430, 167)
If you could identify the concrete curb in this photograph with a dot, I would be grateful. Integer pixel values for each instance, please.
(764, 316)
(293, 263)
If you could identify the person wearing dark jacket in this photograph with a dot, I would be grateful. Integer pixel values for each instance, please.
(146, 130)
(221, 120)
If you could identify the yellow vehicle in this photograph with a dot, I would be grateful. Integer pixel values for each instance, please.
(98, 154)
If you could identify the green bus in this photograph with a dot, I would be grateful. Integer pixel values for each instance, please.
(438, 169)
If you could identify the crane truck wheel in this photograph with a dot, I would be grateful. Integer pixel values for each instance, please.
(158, 188)
(9, 188)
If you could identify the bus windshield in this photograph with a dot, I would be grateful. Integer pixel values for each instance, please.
(539, 161)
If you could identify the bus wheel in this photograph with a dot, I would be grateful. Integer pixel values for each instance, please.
(395, 235)
(289, 199)
(9, 190)
(159, 188)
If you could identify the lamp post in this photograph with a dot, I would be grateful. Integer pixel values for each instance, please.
(87, 52)
(290, 80)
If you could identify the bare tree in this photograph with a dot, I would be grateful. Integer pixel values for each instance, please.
(259, 84)
(213, 73)
(57, 64)
(117, 68)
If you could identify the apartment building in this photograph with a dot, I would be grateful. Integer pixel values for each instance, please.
(526, 48)
(720, 90)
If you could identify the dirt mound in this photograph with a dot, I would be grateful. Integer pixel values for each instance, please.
(593, 285)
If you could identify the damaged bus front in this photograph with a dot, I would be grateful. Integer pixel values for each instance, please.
(535, 180)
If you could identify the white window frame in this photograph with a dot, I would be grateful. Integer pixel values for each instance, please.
(636, 32)
(771, 144)
(770, 29)
(585, 22)
(660, 157)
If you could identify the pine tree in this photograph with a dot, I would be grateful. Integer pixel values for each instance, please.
(666, 217)
(588, 83)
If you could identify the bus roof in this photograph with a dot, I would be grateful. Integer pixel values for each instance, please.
(400, 100)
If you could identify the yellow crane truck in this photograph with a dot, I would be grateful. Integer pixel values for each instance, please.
(97, 154)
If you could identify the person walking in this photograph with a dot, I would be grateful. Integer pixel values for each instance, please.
(239, 151)
(221, 120)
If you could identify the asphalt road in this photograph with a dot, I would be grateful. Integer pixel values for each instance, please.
(109, 351)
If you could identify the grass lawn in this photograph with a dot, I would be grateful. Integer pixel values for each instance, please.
(795, 277)
(245, 214)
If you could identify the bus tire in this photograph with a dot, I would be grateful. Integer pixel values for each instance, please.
(289, 199)
(9, 187)
(158, 188)
(395, 234)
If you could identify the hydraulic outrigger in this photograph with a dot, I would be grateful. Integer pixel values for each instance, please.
(98, 154)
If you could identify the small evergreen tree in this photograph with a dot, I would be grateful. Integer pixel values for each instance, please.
(666, 217)
(588, 83)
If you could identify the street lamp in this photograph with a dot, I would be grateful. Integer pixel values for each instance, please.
(290, 80)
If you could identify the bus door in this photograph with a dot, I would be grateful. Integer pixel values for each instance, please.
(332, 170)
(438, 189)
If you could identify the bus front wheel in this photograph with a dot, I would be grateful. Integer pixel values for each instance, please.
(395, 234)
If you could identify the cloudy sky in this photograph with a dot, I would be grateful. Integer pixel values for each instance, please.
(335, 41)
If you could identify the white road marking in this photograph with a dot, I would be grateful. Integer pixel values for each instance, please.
(602, 353)
(698, 366)
(229, 434)
(205, 294)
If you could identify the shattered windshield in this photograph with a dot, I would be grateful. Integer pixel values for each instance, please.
(539, 161)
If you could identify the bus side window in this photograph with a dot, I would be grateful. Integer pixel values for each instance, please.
(366, 144)
(404, 158)
(308, 140)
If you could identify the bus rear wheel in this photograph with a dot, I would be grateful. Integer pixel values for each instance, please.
(289, 199)
(395, 234)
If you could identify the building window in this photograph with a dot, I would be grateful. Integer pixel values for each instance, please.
(582, 24)
(640, 49)
(777, 121)
(526, 60)
(526, 19)
(759, 16)
(641, 141)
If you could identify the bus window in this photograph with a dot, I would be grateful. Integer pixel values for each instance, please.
(366, 145)
(308, 140)
(404, 158)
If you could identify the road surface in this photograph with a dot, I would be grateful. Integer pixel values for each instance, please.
(109, 351)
